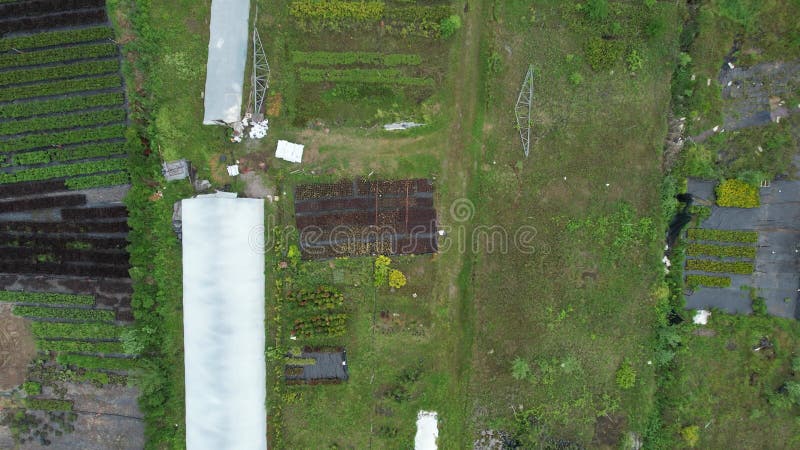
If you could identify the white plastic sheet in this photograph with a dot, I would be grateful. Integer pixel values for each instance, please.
(224, 330)
(289, 151)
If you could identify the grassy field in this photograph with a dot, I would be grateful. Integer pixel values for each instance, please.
(581, 303)
(736, 396)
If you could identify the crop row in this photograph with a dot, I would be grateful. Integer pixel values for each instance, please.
(694, 281)
(337, 10)
(95, 315)
(48, 404)
(45, 298)
(372, 76)
(52, 38)
(30, 204)
(80, 346)
(704, 265)
(97, 362)
(21, 189)
(321, 325)
(68, 154)
(65, 255)
(91, 214)
(57, 55)
(43, 330)
(345, 58)
(59, 105)
(40, 241)
(65, 170)
(323, 298)
(63, 19)
(79, 270)
(93, 181)
(63, 227)
(722, 251)
(62, 121)
(705, 234)
(59, 72)
(43, 7)
(60, 87)
(64, 138)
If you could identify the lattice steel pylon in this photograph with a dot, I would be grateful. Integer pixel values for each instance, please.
(523, 111)
(260, 75)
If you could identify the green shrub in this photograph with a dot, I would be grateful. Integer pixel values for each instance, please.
(597, 10)
(32, 388)
(759, 306)
(703, 265)
(602, 54)
(396, 279)
(737, 194)
(634, 60)
(705, 234)
(722, 251)
(695, 281)
(697, 160)
(381, 272)
(575, 78)
(449, 26)
(520, 369)
(691, 435)
(626, 375)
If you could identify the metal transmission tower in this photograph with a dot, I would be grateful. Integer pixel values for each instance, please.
(523, 110)
(260, 75)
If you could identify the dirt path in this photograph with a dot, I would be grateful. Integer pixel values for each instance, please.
(16, 348)
(455, 267)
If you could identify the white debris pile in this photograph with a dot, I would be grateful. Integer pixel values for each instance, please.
(701, 317)
(259, 129)
(427, 431)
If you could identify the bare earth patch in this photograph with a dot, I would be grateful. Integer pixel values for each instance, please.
(17, 348)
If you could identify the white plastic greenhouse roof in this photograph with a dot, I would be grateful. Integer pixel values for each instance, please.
(227, 55)
(223, 319)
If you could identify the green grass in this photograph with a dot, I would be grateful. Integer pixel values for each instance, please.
(729, 390)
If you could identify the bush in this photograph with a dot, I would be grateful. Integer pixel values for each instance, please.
(691, 435)
(602, 54)
(520, 369)
(704, 234)
(575, 78)
(32, 388)
(626, 375)
(634, 60)
(737, 194)
(759, 306)
(396, 279)
(381, 275)
(704, 265)
(449, 26)
(695, 281)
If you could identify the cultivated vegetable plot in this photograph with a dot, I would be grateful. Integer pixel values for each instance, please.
(719, 252)
(356, 217)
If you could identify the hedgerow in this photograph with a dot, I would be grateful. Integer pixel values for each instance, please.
(704, 265)
(69, 120)
(60, 87)
(65, 313)
(371, 76)
(704, 234)
(345, 58)
(57, 55)
(64, 170)
(65, 137)
(68, 154)
(45, 298)
(92, 181)
(737, 194)
(722, 251)
(57, 38)
(76, 330)
(693, 281)
(96, 362)
(32, 108)
(80, 346)
(58, 72)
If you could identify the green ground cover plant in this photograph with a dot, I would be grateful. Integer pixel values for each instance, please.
(98, 315)
(695, 281)
(59, 72)
(68, 154)
(32, 108)
(80, 346)
(92, 181)
(706, 234)
(57, 55)
(64, 170)
(61, 121)
(65, 137)
(47, 330)
(722, 251)
(57, 38)
(45, 298)
(737, 267)
(737, 194)
(60, 87)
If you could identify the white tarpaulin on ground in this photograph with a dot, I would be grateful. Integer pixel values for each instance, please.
(227, 54)
(289, 151)
(427, 431)
(223, 318)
